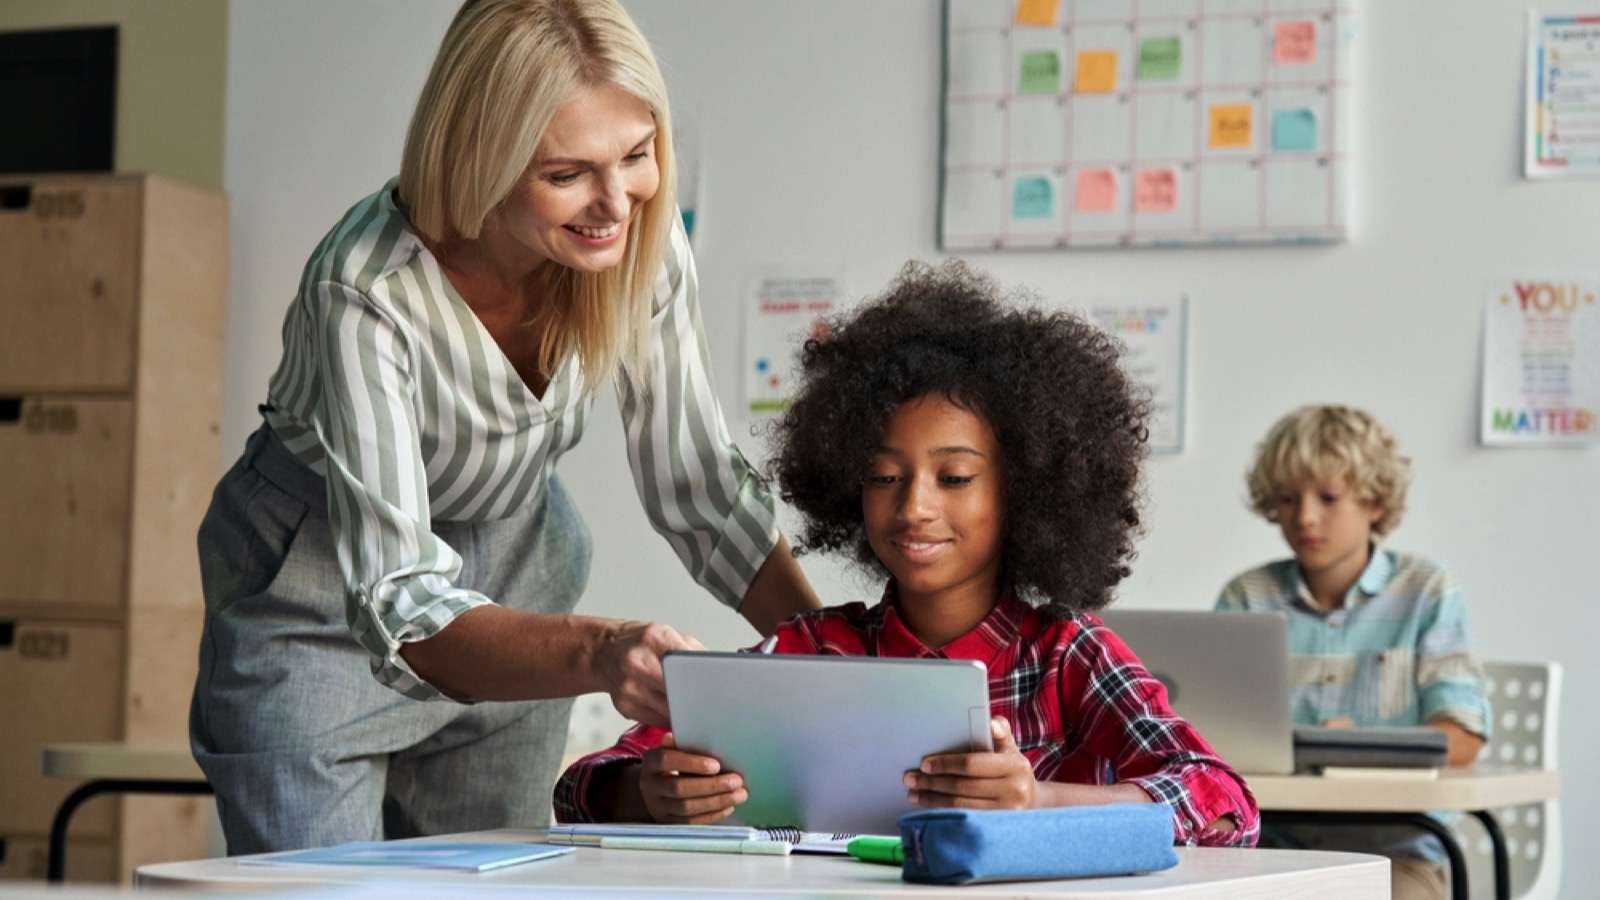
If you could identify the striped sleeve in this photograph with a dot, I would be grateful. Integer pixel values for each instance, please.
(698, 489)
(1449, 678)
(398, 575)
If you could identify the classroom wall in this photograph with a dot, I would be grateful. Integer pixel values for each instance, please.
(171, 60)
(818, 124)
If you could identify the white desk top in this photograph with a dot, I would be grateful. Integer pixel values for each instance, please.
(592, 872)
(160, 762)
(1481, 786)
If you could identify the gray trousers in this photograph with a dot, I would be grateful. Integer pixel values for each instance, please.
(301, 744)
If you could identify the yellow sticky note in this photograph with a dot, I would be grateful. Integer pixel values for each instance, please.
(1230, 125)
(1097, 71)
(1037, 12)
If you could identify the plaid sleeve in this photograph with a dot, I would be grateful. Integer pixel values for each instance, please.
(1127, 720)
(571, 799)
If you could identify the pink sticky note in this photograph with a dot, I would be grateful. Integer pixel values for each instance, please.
(1155, 190)
(1294, 43)
(1097, 191)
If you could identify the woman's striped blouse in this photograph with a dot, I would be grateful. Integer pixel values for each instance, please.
(393, 390)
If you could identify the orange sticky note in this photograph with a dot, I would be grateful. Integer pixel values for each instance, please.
(1230, 125)
(1155, 190)
(1294, 43)
(1097, 72)
(1037, 12)
(1096, 191)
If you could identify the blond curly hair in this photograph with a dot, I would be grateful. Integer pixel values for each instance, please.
(1323, 443)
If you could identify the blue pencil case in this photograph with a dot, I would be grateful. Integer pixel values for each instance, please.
(965, 846)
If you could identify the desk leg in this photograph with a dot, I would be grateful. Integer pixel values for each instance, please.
(1452, 849)
(1497, 844)
(56, 865)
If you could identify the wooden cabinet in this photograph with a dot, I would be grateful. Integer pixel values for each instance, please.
(113, 290)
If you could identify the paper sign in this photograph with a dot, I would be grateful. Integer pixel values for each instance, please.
(1541, 362)
(1155, 335)
(1294, 43)
(1037, 12)
(1561, 138)
(1294, 129)
(1041, 72)
(782, 310)
(1096, 192)
(1155, 190)
(1159, 58)
(1032, 198)
(1097, 71)
(1230, 125)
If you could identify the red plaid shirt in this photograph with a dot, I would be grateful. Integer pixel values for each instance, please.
(1082, 707)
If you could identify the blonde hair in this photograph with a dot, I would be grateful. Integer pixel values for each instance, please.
(1327, 443)
(503, 69)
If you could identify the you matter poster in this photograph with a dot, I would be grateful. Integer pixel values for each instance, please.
(1541, 362)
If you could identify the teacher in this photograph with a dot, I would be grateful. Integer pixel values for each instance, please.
(394, 547)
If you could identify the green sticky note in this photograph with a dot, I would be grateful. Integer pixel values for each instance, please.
(1294, 130)
(1032, 198)
(1159, 58)
(1041, 72)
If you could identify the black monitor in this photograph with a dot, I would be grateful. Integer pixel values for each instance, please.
(58, 99)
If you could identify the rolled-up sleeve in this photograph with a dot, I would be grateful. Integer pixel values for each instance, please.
(698, 489)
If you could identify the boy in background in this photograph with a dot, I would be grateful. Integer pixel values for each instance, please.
(1376, 636)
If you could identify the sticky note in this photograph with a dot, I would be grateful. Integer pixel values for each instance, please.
(1096, 191)
(1155, 190)
(1041, 72)
(1159, 58)
(1294, 129)
(1037, 12)
(1097, 71)
(1032, 198)
(1230, 125)
(1294, 43)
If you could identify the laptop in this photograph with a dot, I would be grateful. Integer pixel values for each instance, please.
(1227, 673)
(823, 742)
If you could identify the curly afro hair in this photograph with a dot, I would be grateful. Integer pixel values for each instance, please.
(1070, 425)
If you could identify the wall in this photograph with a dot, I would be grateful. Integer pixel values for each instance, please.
(820, 135)
(172, 56)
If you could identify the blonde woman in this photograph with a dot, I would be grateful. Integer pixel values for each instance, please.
(393, 546)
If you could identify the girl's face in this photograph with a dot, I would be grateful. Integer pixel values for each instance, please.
(594, 170)
(933, 504)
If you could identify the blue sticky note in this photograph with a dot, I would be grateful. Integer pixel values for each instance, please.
(1032, 198)
(1294, 129)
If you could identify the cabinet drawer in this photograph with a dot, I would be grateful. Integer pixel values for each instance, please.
(26, 858)
(70, 250)
(63, 684)
(64, 473)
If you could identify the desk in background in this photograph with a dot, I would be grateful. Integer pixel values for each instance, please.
(1476, 790)
(1202, 872)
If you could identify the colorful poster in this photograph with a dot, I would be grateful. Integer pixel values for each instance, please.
(783, 308)
(1155, 334)
(1541, 362)
(1562, 136)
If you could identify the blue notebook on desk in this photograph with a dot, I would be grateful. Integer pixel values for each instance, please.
(460, 856)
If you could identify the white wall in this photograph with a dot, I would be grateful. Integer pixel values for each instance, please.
(820, 134)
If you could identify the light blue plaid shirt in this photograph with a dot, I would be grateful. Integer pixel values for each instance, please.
(1398, 652)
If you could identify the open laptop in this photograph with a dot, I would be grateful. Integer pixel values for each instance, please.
(824, 741)
(1227, 673)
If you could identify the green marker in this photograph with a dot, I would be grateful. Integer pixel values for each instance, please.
(886, 850)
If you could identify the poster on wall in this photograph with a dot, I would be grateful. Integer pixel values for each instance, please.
(783, 307)
(1541, 362)
(1562, 133)
(1155, 335)
(1106, 123)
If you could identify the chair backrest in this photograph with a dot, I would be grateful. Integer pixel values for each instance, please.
(1525, 701)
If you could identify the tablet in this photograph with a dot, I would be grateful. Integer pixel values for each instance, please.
(824, 741)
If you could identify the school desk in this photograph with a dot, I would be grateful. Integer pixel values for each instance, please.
(1201, 873)
(1382, 800)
